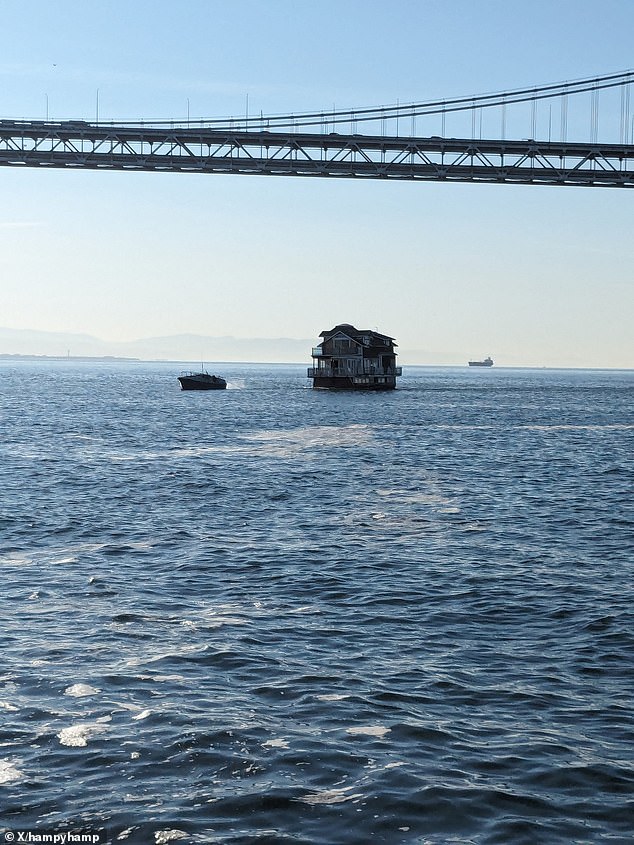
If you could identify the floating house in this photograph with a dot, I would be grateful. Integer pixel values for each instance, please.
(354, 359)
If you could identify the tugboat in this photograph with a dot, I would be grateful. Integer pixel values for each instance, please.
(201, 381)
(488, 362)
(354, 359)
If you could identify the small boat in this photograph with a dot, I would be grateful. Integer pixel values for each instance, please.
(201, 381)
(488, 362)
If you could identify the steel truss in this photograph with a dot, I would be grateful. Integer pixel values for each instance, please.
(78, 144)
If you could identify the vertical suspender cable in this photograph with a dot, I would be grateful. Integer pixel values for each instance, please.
(564, 118)
(625, 112)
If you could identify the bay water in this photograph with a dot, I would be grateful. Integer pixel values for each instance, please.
(272, 614)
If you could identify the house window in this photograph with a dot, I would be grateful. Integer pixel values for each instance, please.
(343, 346)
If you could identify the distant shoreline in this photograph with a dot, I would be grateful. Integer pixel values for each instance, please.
(19, 356)
(16, 356)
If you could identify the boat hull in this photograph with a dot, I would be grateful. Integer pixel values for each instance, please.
(201, 383)
(351, 383)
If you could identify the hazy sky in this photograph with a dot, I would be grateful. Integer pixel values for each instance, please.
(530, 275)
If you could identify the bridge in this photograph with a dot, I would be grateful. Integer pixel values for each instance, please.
(329, 144)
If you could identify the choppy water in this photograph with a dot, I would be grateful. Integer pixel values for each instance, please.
(278, 615)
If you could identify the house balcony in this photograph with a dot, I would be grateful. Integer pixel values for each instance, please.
(352, 372)
(346, 350)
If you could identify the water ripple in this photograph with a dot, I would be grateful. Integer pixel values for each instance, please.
(319, 619)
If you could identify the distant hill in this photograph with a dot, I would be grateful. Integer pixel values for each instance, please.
(184, 347)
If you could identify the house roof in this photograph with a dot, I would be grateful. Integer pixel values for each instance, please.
(376, 339)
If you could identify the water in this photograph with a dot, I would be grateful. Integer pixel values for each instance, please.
(278, 615)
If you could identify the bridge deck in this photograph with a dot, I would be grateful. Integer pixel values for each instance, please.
(78, 144)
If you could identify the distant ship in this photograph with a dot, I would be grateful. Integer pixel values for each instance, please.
(488, 362)
(201, 381)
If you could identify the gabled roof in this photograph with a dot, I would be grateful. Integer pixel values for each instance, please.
(376, 339)
(344, 328)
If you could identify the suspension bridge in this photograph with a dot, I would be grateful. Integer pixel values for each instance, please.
(391, 145)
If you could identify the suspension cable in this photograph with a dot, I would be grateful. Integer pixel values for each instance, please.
(430, 107)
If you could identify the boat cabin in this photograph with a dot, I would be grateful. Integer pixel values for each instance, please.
(354, 359)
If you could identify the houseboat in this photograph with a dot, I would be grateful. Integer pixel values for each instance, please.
(354, 359)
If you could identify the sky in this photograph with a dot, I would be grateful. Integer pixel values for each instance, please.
(533, 276)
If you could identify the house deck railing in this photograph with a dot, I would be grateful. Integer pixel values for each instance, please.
(350, 372)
